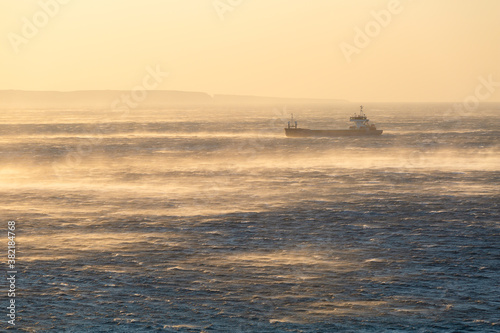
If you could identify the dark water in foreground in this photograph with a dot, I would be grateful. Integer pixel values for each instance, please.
(210, 220)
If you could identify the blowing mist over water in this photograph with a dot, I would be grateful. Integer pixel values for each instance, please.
(209, 219)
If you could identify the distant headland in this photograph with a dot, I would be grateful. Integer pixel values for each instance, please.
(17, 99)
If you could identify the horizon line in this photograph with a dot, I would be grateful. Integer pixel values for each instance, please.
(342, 100)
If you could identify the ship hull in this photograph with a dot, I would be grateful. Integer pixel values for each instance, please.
(305, 133)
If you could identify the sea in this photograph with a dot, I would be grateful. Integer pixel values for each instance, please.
(209, 219)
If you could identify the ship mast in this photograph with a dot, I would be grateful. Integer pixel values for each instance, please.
(292, 123)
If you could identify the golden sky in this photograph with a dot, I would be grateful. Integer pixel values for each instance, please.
(360, 50)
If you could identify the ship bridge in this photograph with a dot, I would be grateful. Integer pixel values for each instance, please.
(360, 120)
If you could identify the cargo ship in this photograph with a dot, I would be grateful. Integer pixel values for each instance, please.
(361, 127)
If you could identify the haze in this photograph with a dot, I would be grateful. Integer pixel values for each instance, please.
(425, 51)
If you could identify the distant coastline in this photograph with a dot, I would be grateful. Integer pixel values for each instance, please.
(17, 99)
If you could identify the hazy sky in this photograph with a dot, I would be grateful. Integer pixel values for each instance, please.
(420, 50)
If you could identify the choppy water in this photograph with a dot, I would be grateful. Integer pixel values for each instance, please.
(211, 220)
